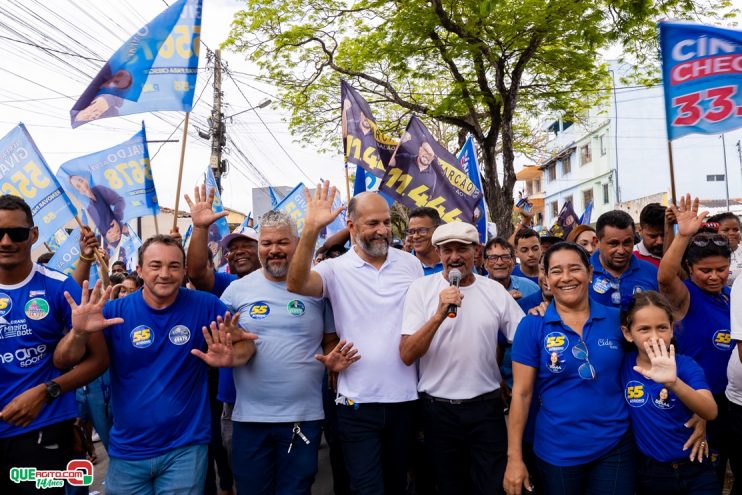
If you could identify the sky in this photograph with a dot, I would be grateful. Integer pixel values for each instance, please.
(40, 86)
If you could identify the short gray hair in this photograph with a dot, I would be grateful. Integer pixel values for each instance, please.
(278, 219)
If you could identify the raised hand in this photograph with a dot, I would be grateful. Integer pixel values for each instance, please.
(220, 351)
(338, 359)
(202, 214)
(87, 317)
(88, 242)
(319, 212)
(231, 324)
(687, 216)
(663, 369)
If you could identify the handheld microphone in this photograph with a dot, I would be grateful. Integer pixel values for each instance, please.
(454, 277)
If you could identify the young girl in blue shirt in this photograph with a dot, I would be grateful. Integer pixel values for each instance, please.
(663, 391)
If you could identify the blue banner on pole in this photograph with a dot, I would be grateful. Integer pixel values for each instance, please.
(25, 173)
(114, 185)
(424, 173)
(701, 72)
(154, 70)
(67, 256)
(295, 206)
(467, 157)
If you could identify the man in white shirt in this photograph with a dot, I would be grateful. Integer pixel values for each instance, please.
(366, 287)
(465, 432)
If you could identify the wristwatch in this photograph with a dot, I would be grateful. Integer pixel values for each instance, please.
(53, 390)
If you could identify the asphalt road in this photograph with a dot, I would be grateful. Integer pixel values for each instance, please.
(322, 484)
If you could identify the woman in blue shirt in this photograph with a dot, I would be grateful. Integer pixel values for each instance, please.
(570, 359)
(663, 391)
(701, 305)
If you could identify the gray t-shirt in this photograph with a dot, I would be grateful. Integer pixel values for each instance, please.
(282, 382)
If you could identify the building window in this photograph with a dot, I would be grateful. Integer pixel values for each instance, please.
(566, 166)
(606, 194)
(529, 188)
(568, 199)
(552, 172)
(603, 144)
(586, 154)
(554, 209)
(715, 178)
(587, 196)
(536, 186)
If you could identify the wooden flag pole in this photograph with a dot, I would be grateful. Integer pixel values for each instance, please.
(98, 257)
(157, 226)
(347, 181)
(673, 196)
(46, 245)
(180, 169)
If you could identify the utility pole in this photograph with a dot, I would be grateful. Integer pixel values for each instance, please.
(216, 122)
(726, 172)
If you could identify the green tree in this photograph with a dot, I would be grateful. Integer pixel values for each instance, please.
(481, 67)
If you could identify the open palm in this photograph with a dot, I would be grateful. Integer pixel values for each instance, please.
(87, 317)
(663, 369)
(202, 212)
(687, 216)
(319, 211)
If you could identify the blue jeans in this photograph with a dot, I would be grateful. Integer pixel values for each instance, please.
(612, 474)
(676, 478)
(376, 445)
(94, 404)
(264, 466)
(181, 471)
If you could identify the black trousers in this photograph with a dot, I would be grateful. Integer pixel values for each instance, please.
(467, 445)
(48, 448)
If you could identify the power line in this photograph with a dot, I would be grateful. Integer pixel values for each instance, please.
(46, 48)
(291, 159)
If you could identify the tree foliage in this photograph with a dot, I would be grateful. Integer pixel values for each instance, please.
(482, 67)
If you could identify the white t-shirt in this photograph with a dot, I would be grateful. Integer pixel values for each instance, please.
(734, 368)
(367, 304)
(735, 266)
(461, 362)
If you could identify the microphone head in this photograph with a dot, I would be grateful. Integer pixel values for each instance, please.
(454, 276)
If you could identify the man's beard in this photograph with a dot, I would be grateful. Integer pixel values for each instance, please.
(276, 271)
(375, 249)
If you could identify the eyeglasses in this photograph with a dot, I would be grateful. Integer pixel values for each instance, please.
(419, 231)
(16, 234)
(586, 370)
(495, 257)
(703, 240)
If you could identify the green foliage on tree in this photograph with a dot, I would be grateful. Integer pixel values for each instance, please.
(482, 67)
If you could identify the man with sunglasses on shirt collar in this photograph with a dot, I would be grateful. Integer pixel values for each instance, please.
(617, 273)
(36, 409)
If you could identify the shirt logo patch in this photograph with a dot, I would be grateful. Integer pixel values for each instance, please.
(556, 342)
(142, 337)
(601, 285)
(259, 310)
(664, 400)
(37, 308)
(556, 363)
(179, 334)
(296, 308)
(722, 340)
(635, 394)
(36, 293)
(6, 304)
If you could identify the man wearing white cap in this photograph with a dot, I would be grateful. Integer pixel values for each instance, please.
(465, 432)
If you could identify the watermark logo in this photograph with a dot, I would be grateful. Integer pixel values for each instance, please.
(79, 472)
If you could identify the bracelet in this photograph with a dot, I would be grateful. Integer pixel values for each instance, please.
(84, 258)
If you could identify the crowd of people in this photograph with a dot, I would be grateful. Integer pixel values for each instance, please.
(603, 363)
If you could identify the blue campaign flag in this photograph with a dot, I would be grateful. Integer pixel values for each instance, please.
(154, 70)
(274, 197)
(587, 214)
(56, 241)
(219, 229)
(128, 249)
(25, 173)
(468, 159)
(701, 72)
(294, 205)
(187, 236)
(368, 182)
(114, 185)
(423, 173)
(67, 256)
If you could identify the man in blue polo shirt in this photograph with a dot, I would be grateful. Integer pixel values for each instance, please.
(161, 427)
(617, 273)
(422, 223)
(36, 409)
